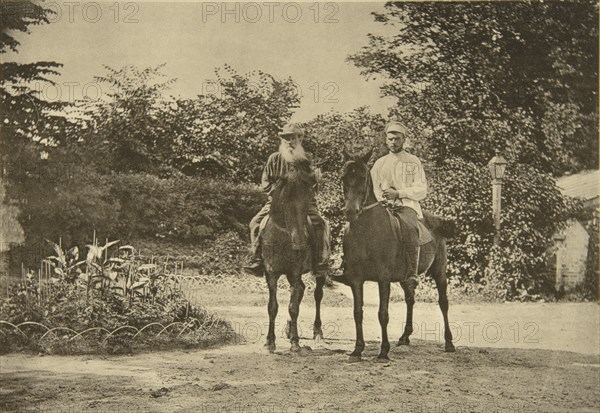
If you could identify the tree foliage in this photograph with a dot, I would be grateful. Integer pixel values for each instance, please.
(18, 15)
(333, 136)
(478, 77)
(127, 130)
(533, 209)
(29, 122)
(230, 131)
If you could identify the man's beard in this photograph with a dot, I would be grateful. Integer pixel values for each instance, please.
(290, 154)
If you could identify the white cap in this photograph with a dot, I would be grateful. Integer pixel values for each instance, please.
(395, 126)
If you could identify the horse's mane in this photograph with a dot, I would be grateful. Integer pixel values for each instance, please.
(442, 227)
(297, 181)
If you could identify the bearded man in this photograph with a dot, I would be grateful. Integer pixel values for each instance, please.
(291, 155)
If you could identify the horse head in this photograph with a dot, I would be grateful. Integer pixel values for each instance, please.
(291, 201)
(357, 185)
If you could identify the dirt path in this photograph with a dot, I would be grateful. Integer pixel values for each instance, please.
(245, 378)
(506, 375)
(550, 326)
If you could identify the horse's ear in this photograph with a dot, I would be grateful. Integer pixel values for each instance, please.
(366, 157)
(281, 182)
(345, 155)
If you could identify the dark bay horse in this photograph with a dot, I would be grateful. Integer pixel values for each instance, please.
(372, 253)
(285, 248)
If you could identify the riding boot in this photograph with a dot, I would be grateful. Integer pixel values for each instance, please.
(256, 266)
(320, 250)
(339, 274)
(411, 260)
(320, 264)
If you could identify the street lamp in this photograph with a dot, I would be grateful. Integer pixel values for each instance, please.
(497, 167)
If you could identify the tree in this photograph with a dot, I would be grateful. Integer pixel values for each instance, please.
(127, 129)
(32, 129)
(518, 77)
(334, 136)
(27, 124)
(231, 131)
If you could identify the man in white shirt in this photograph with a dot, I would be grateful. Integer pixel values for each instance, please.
(399, 180)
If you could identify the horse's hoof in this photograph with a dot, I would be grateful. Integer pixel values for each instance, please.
(404, 341)
(270, 347)
(449, 348)
(353, 358)
(383, 359)
(295, 347)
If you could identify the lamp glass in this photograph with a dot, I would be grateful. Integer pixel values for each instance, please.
(497, 167)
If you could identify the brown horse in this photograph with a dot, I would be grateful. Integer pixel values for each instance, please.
(285, 248)
(372, 251)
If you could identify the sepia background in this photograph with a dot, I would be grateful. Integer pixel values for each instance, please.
(133, 138)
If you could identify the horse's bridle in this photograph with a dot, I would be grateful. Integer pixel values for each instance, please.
(364, 201)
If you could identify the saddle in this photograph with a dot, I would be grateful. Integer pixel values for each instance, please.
(274, 253)
(425, 236)
(265, 220)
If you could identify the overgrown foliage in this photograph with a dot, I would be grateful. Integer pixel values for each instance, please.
(103, 303)
(133, 206)
(532, 210)
(224, 133)
(484, 76)
(128, 130)
(29, 124)
(333, 137)
(230, 131)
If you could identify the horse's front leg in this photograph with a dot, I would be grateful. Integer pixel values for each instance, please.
(317, 331)
(384, 298)
(409, 296)
(297, 287)
(272, 308)
(357, 294)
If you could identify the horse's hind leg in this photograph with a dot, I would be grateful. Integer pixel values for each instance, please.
(297, 287)
(409, 296)
(384, 298)
(317, 331)
(273, 307)
(438, 272)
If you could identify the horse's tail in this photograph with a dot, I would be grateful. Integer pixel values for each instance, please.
(445, 228)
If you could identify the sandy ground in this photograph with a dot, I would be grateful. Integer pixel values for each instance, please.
(510, 358)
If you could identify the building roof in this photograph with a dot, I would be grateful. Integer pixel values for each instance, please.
(584, 184)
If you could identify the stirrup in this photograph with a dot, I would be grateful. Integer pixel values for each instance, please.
(255, 268)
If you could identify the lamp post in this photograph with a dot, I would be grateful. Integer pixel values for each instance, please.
(497, 167)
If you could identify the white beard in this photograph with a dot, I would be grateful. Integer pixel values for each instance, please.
(292, 155)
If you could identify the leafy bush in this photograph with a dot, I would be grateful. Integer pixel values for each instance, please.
(133, 206)
(332, 137)
(93, 302)
(330, 200)
(532, 210)
(223, 255)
